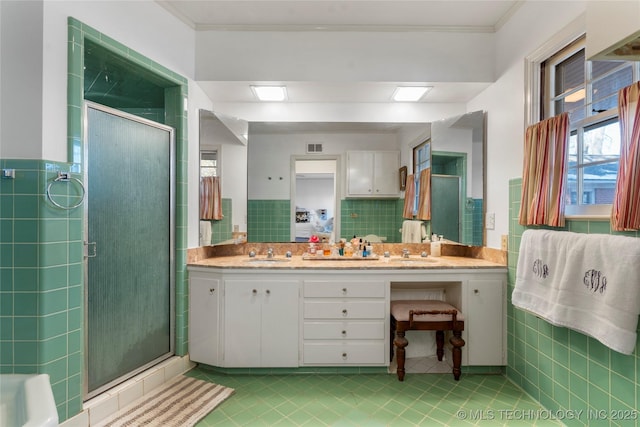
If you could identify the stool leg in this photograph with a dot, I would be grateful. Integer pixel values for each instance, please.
(400, 343)
(391, 335)
(440, 344)
(456, 352)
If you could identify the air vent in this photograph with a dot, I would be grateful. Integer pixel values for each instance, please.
(314, 148)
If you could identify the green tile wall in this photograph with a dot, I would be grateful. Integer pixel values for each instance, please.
(562, 368)
(222, 230)
(269, 221)
(41, 278)
(382, 217)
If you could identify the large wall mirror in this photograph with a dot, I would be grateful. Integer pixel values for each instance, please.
(223, 156)
(458, 145)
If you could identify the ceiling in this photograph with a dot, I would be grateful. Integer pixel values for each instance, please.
(448, 16)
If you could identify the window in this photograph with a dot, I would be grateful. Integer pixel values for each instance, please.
(421, 161)
(588, 92)
(208, 163)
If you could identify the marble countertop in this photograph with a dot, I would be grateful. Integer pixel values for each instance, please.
(298, 262)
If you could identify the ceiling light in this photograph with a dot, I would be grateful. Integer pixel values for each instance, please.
(409, 93)
(270, 93)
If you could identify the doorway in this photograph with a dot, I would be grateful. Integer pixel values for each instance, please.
(315, 204)
(130, 246)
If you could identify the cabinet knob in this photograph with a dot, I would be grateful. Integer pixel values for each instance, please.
(344, 333)
(344, 356)
(255, 291)
(475, 291)
(268, 291)
(344, 312)
(344, 290)
(212, 290)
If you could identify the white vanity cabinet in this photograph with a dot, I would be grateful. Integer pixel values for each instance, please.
(373, 174)
(204, 318)
(261, 323)
(314, 316)
(345, 322)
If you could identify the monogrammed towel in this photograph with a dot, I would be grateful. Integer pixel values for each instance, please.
(586, 282)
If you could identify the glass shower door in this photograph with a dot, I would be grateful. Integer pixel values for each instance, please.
(445, 213)
(129, 246)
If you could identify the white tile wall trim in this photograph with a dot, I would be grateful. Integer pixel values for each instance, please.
(111, 401)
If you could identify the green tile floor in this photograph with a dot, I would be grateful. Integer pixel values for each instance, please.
(372, 400)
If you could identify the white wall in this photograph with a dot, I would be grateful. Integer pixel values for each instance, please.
(391, 56)
(504, 100)
(21, 71)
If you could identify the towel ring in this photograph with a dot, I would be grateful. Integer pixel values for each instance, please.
(65, 177)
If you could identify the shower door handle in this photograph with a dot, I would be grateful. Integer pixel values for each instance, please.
(87, 245)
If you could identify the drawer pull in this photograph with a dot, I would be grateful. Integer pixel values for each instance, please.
(344, 312)
(344, 291)
(255, 291)
(344, 333)
(344, 356)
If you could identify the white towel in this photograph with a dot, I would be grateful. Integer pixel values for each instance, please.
(586, 282)
(413, 231)
(205, 233)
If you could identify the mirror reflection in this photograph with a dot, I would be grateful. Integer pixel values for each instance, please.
(286, 199)
(457, 178)
(314, 201)
(222, 202)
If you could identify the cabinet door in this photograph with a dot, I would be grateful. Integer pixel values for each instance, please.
(243, 311)
(261, 323)
(279, 342)
(204, 320)
(484, 322)
(386, 177)
(360, 166)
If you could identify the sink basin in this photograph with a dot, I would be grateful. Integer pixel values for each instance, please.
(413, 261)
(267, 260)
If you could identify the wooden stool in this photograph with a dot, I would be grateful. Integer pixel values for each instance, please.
(427, 315)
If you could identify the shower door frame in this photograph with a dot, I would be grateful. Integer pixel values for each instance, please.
(172, 248)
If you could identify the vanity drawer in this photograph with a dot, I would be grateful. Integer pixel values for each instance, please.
(344, 309)
(325, 289)
(344, 330)
(344, 353)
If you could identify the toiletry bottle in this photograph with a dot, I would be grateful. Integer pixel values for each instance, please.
(365, 251)
(348, 249)
(435, 247)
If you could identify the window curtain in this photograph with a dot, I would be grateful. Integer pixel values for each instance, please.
(409, 197)
(625, 214)
(424, 197)
(210, 198)
(543, 172)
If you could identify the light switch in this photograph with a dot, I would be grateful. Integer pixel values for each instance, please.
(491, 221)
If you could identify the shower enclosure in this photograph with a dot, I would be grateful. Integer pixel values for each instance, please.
(129, 245)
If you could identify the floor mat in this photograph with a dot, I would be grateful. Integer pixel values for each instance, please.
(181, 402)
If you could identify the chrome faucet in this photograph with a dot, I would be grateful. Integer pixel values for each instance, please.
(270, 253)
(405, 253)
